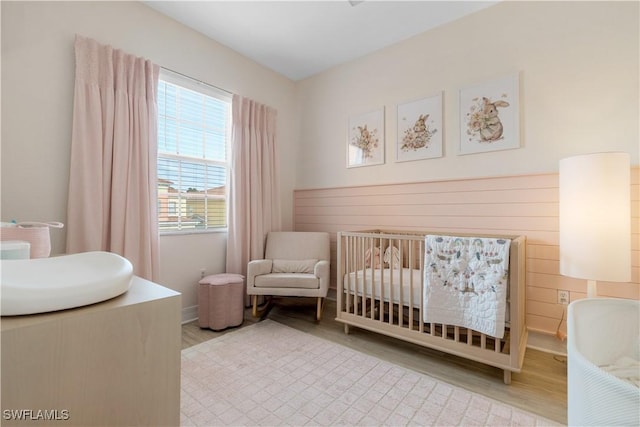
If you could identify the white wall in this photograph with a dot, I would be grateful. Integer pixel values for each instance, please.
(578, 64)
(579, 91)
(37, 97)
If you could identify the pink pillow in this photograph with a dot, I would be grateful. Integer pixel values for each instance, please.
(376, 258)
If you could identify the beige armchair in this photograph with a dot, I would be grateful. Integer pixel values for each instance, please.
(296, 264)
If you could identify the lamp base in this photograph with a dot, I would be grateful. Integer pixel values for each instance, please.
(592, 289)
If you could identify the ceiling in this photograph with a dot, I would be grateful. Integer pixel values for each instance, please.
(301, 38)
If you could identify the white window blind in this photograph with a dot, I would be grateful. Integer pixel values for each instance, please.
(193, 140)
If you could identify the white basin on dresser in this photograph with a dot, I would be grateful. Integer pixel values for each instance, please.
(40, 285)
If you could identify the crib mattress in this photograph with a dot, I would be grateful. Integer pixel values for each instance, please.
(386, 285)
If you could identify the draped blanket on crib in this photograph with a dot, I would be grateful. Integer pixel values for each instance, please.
(465, 282)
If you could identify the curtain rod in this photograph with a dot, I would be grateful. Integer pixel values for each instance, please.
(196, 80)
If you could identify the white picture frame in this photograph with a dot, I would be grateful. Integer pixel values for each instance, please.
(365, 139)
(490, 116)
(420, 131)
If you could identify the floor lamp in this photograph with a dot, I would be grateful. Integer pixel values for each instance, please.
(595, 218)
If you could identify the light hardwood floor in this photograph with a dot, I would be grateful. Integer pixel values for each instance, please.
(540, 388)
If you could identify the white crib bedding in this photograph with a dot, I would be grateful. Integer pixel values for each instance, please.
(390, 284)
(353, 283)
(466, 282)
(625, 368)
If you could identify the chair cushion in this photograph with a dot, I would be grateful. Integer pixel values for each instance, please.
(287, 280)
(293, 266)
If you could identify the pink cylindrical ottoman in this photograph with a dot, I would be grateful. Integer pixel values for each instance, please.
(221, 301)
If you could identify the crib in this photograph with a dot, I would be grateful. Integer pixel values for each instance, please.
(387, 298)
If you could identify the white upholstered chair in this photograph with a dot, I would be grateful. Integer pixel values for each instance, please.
(296, 264)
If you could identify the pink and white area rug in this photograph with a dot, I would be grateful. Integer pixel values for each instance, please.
(269, 374)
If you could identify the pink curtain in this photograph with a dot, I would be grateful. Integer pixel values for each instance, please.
(254, 195)
(112, 184)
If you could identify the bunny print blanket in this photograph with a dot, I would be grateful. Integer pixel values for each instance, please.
(465, 282)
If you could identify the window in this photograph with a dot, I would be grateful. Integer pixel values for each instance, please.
(193, 140)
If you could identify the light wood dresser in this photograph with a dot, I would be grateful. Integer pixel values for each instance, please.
(113, 363)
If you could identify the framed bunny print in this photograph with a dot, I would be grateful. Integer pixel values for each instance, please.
(490, 116)
(365, 144)
(420, 129)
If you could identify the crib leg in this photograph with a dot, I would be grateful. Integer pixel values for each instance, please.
(507, 377)
(346, 329)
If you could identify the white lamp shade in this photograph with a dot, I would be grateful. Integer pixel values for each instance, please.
(595, 217)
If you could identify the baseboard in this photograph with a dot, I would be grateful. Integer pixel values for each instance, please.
(189, 314)
(537, 340)
(546, 342)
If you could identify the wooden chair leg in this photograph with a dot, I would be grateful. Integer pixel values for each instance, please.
(320, 306)
(260, 312)
(255, 306)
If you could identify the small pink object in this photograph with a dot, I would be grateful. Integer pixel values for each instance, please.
(221, 301)
(36, 233)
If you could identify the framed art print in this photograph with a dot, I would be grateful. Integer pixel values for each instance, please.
(365, 145)
(420, 129)
(490, 116)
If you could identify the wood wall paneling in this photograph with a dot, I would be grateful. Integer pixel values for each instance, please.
(522, 204)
